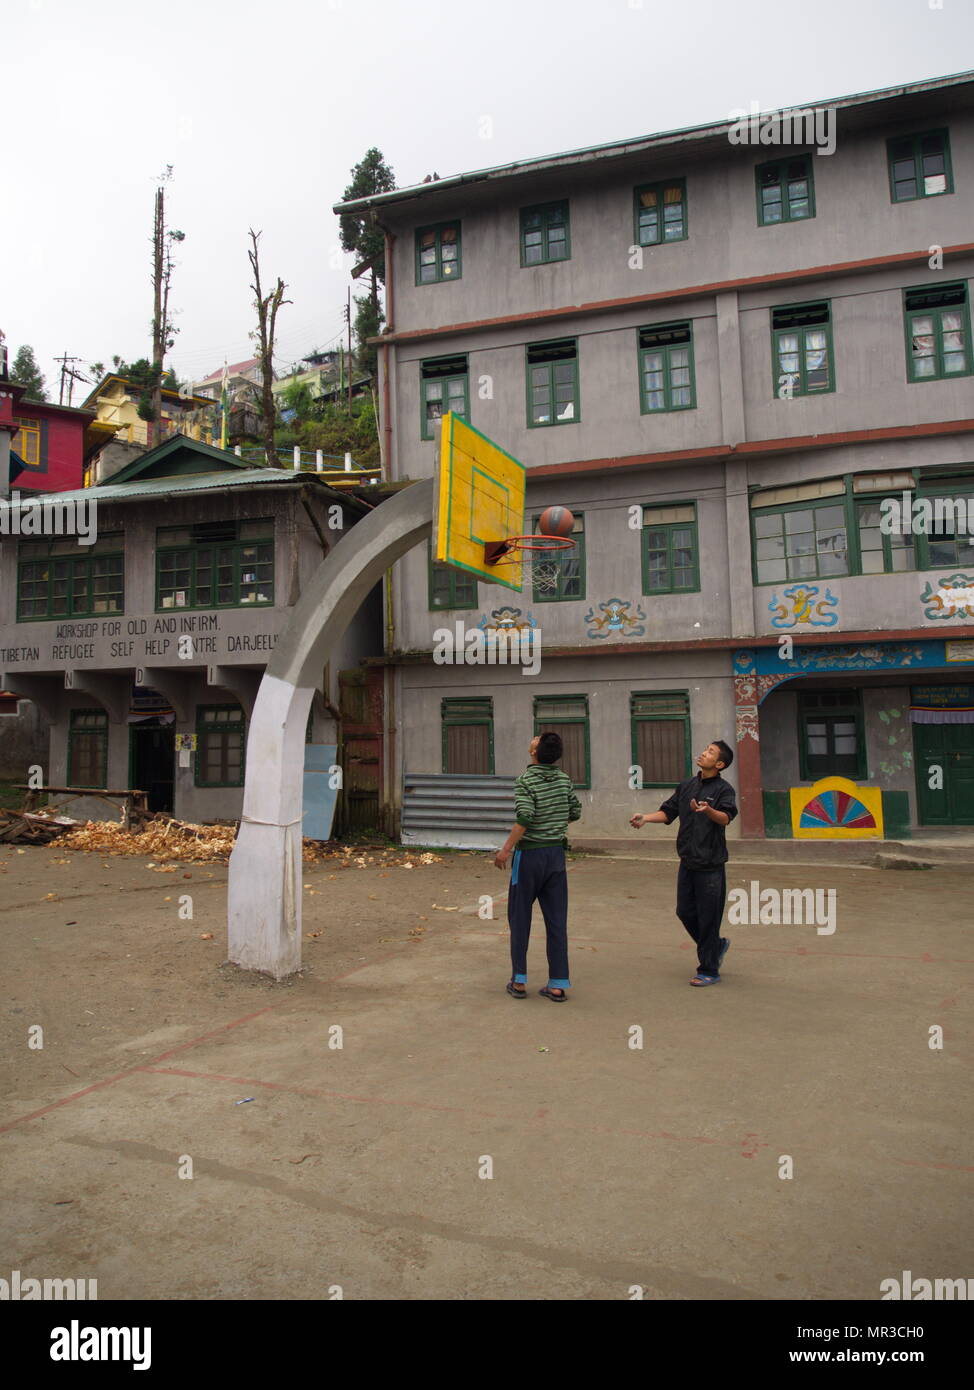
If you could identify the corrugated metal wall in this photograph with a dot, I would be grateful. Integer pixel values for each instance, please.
(456, 810)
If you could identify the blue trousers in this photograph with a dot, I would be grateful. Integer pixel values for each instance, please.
(539, 874)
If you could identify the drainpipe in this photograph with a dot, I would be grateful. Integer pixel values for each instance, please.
(390, 242)
(389, 800)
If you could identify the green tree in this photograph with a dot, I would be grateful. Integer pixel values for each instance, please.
(335, 432)
(359, 232)
(26, 372)
(299, 397)
(368, 324)
(361, 235)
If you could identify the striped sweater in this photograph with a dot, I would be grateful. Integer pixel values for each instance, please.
(544, 801)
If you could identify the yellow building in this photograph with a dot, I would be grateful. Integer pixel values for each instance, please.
(116, 400)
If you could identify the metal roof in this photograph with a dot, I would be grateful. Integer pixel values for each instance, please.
(193, 483)
(640, 143)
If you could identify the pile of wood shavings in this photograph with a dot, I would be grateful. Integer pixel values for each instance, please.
(168, 841)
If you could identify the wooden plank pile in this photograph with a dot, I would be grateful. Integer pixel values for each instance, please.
(32, 828)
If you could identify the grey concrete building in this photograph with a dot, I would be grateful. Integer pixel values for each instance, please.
(144, 644)
(728, 350)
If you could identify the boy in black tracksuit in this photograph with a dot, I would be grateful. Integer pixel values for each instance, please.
(544, 802)
(706, 805)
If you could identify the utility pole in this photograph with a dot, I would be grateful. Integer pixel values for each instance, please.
(67, 372)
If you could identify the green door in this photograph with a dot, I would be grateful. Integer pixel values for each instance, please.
(949, 747)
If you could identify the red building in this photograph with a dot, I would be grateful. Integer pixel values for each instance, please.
(47, 442)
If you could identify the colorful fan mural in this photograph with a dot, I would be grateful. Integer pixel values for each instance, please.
(835, 808)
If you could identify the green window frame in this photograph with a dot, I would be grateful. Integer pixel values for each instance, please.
(831, 742)
(659, 724)
(802, 347)
(649, 200)
(881, 552)
(88, 748)
(938, 332)
(835, 530)
(666, 370)
(567, 566)
(466, 755)
(670, 549)
(551, 371)
(947, 546)
(438, 253)
(445, 385)
(215, 565)
(545, 234)
(919, 166)
(568, 716)
(808, 539)
(221, 746)
(61, 579)
(785, 191)
(449, 587)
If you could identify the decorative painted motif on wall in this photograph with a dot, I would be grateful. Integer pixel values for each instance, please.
(749, 691)
(506, 619)
(897, 743)
(881, 656)
(801, 605)
(952, 598)
(616, 620)
(836, 809)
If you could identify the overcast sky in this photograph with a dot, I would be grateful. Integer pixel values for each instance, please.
(263, 108)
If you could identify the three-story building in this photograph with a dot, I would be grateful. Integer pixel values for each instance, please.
(743, 364)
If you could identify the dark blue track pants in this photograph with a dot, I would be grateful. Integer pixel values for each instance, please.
(539, 874)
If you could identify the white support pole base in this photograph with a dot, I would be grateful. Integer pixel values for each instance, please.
(264, 899)
(264, 890)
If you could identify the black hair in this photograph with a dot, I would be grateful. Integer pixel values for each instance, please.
(726, 752)
(549, 748)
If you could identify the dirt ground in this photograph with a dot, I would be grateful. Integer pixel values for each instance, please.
(462, 1145)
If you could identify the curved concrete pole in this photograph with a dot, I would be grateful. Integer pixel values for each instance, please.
(264, 890)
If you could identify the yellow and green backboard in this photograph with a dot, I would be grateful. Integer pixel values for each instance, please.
(479, 499)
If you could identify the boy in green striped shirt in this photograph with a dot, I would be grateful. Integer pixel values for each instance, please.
(544, 802)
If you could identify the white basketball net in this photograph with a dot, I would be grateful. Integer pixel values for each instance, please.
(542, 570)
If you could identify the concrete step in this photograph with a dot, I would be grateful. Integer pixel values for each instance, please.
(953, 850)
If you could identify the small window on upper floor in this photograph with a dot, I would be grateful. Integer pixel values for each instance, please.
(919, 166)
(438, 253)
(545, 234)
(785, 191)
(661, 212)
(802, 349)
(553, 383)
(444, 382)
(938, 332)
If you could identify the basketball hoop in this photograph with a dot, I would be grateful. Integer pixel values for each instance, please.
(514, 548)
(539, 556)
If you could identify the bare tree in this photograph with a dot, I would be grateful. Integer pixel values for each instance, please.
(162, 326)
(267, 307)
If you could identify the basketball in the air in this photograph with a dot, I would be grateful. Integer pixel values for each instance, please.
(556, 521)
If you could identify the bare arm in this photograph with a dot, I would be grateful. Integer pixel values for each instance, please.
(500, 858)
(654, 818)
